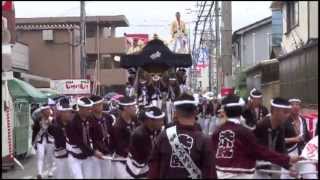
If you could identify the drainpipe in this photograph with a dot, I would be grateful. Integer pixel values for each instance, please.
(71, 74)
(242, 50)
(98, 65)
(254, 48)
(268, 44)
(308, 5)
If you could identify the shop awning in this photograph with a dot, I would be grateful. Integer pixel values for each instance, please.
(23, 90)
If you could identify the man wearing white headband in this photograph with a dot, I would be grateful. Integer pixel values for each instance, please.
(142, 142)
(235, 147)
(121, 132)
(182, 151)
(102, 126)
(255, 111)
(80, 145)
(270, 132)
(43, 140)
(61, 122)
(296, 131)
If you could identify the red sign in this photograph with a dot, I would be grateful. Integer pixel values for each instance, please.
(143, 37)
(226, 91)
(7, 5)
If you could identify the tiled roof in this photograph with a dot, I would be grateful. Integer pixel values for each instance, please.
(46, 26)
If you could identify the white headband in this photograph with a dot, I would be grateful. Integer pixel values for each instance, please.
(280, 106)
(254, 96)
(177, 103)
(83, 104)
(151, 115)
(172, 79)
(295, 100)
(128, 104)
(239, 103)
(45, 107)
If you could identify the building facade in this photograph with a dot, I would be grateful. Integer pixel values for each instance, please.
(252, 43)
(299, 21)
(298, 65)
(55, 48)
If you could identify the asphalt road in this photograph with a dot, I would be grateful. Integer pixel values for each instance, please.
(29, 172)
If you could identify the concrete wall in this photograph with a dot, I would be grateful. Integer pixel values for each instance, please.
(261, 45)
(253, 80)
(314, 19)
(107, 46)
(52, 60)
(270, 90)
(112, 76)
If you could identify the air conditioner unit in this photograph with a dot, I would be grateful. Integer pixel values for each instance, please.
(47, 35)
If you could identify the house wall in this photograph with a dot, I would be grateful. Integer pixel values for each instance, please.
(298, 36)
(314, 19)
(48, 59)
(262, 47)
(270, 90)
(253, 80)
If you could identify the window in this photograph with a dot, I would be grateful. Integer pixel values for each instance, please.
(91, 31)
(106, 63)
(292, 14)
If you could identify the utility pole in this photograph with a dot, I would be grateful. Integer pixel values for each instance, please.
(226, 44)
(210, 52)
(202, 30)
(218, 75)
(82, 39)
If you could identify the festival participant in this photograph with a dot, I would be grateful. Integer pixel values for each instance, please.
(42, 139)
(120, 135)
(295, 132)
(310, 153)
(182, 151)
(235, 147)
(155, 88)
(80, 145)
(270, 132)
(173, 91)
(61, 122)
(142, 141)
(255, 111)
(178, 32)
(101, 130)
(130, 90)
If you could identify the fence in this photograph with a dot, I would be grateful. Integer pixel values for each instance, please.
(298, 74)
